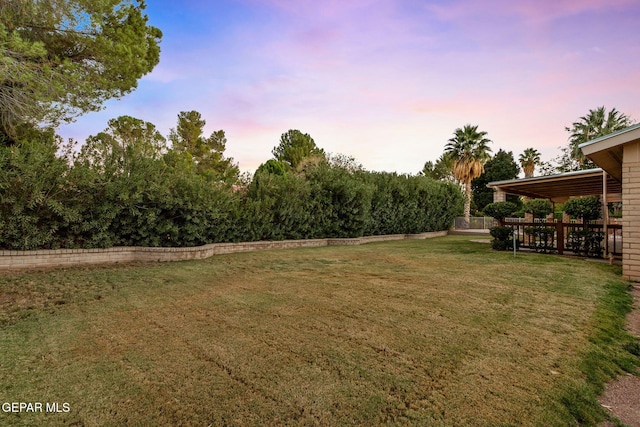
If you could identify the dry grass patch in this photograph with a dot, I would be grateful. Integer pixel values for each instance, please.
(439, 332)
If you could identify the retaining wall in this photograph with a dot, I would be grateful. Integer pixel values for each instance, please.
(11, 260)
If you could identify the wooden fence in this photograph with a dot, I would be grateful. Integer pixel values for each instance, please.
(557, 236)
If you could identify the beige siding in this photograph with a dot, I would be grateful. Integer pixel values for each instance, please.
(631, 211)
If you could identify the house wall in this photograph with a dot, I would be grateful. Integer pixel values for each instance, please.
(631, 211)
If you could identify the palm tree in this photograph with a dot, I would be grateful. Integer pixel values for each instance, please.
(595, 124)
(529, 159)
(469, 151)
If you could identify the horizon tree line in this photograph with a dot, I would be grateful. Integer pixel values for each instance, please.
(466, 153)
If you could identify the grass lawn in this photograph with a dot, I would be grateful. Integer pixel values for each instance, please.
(441, 332)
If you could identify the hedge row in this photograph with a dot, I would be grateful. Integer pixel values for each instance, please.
(49, 202)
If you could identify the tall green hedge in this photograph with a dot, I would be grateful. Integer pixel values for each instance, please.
(48, 201)
(37, 206)
(411, 204)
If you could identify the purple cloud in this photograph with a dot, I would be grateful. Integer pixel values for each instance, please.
(387, 81)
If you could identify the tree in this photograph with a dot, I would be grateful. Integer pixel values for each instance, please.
(343, 161)
(539, 208)
(296, 146)
(271, 166)
(125, 142)
(442, 170)
(62, 58)
(500, 210)
(585, 208)
(207, 153)
(502, 235)
(585, 241)
(469, 151)
(596, 123)
(187, 136)
(547, 169)
(500, 167)
(529, 159)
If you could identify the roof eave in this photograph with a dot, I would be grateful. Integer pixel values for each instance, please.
(565, 175)
(607, 151)
(611, 140)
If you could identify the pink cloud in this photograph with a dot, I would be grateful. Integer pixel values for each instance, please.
(388, 81)
(313, 9)
(555, 9)
(534, 10)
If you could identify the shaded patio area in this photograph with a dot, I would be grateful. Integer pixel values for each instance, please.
(558, 236)
(616, 180)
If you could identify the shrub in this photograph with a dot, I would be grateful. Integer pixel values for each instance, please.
(500, 210)
(282, 207)
(162, 200)
(584, 208)
(502, 238)
(403, 204)
(34, 191)
(543, 238)
(539, 208)
(341, 202)
(585, 242)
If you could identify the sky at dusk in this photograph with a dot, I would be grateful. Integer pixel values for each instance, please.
(385, 81)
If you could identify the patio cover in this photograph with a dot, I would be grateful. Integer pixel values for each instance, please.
(606, 152)
(559, 188)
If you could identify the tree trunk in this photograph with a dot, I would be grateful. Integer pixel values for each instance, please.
(467, 203)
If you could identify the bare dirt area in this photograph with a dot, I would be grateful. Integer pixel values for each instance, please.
(622, 396)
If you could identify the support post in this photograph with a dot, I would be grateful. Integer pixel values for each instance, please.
(560, 237)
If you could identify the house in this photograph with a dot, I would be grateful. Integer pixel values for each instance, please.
(618, 154)
(617, 179)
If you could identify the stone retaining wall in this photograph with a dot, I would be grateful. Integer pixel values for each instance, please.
(11, 260)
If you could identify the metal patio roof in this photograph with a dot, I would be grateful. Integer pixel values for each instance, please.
(560, 187)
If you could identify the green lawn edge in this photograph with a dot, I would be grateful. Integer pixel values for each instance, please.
(612, 351)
